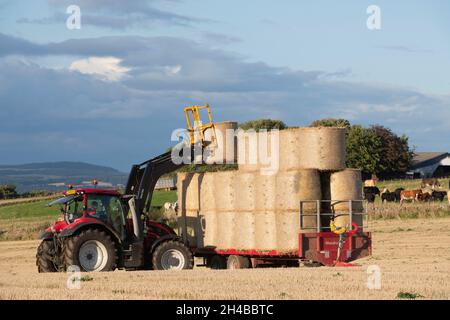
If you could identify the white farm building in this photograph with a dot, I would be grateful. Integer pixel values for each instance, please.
(431, 164)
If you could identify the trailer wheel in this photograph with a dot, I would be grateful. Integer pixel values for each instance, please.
(172, 255)
(44, 257)
(92, 250)
(217, 262)
(238, 262)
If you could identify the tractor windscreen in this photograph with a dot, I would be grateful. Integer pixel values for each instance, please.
(71, 207)
(62, 200)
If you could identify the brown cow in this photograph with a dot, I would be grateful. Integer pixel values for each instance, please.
(410, 195)
(424, 196)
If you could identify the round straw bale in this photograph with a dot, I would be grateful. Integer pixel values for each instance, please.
(294, 186)
(247, 150)
(265, 230)
(225, 149)
(298, 148)
(209, 226)
(266, 192)
(346, 185)
(225, 190)
(289, 153)
(192, 191)
(244, 229)
(287, 228)
(208, 192)
(225, 229)
(188, 191)
(181, 191)
(322, 148)
(245, 186)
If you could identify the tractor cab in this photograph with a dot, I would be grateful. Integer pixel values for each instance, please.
(95, 206)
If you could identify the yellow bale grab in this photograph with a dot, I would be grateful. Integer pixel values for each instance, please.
(195, 126)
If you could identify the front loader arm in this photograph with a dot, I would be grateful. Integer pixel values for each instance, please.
(143, 178)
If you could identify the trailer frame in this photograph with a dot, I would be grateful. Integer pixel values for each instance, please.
(320, 246)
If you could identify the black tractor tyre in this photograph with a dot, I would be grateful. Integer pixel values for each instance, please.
(217, 262)
(79, 250)
(172, 255)
(238, 262)
(45, 257)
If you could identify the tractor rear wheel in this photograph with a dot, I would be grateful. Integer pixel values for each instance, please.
(92, 250)
(238, 262)
(44, 256)
(172, 255)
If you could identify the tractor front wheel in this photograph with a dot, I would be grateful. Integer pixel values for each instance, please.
(172, 255)
(92, 250)
(45, 257)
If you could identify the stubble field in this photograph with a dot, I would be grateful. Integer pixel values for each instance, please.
(413, 256)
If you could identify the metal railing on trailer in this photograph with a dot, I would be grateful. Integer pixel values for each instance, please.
(325, 242)
(321, 211)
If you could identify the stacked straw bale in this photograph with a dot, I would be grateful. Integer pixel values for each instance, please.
(299, 148)
(346, 185)
(244, 209)
(226, 149)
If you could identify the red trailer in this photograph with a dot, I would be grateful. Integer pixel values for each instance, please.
(323, 245)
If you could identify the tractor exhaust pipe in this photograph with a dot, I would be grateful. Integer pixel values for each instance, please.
(137, 222)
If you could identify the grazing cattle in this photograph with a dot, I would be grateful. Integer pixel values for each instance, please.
(373, 190)
(370, 197)
(397, 194)
(412, 195)
(431, 183)
(370, 193)
(387, 196)
(370, 183)
(168, 206)
(424, 196)
(438, 195)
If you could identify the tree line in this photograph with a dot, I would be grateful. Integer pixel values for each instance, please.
(8, 191)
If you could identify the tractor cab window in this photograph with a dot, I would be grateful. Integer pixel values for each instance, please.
(108, 209)
(73, 209)
(96, 207)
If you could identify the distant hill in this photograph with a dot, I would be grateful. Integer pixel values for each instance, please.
(56, 175)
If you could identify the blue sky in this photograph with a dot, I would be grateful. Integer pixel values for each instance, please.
(111, 92)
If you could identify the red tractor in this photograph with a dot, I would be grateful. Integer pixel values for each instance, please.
(97, 235)
(103, 230)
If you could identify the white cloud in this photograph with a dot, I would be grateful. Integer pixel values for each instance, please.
(172, 70)
(105, 68)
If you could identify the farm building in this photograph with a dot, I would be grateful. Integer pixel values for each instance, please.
(166, 183)
(431, 164)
